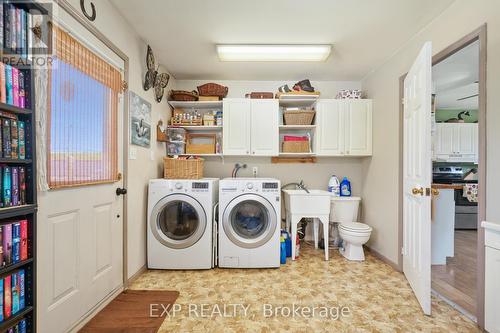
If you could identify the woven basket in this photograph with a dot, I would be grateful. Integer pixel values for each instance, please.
(175, 168)
(295, 147)
(213, 89)
(183, 95)
(301, 117)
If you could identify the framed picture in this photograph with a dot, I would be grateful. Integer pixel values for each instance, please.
(140, 121)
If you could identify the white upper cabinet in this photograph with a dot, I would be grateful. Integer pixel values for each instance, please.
(330, 128)
(344, 127)
(456, 142)
(250, 127)
(264, 127)
(358, 124)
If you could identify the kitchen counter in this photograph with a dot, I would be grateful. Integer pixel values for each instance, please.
(447, 186)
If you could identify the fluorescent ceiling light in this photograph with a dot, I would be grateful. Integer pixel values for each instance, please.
(240, 52)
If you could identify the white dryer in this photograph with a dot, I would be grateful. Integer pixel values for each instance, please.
(249, 223)
(181, 223)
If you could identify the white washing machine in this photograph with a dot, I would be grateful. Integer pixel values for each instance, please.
(249, 223)
(181, 228)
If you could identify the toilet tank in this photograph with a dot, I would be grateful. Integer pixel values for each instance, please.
(344, 209)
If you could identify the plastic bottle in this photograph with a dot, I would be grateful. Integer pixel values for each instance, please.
(345, 188)
(334, 186)
(282, 250)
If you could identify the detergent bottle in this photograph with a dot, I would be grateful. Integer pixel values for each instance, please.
(282, 250)
(345, 188)
(334, 186)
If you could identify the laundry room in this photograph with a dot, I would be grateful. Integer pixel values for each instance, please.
(231, 166)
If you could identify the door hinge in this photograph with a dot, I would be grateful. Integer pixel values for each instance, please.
(402, 251)
(124, 85)
(402, 101)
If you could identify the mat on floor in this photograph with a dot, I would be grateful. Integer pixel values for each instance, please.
(130, 312)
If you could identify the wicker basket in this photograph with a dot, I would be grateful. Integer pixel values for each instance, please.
(295, 147)
(177, 168)
(213, 89)
(183, 95)
(200, 148)
(301, 117)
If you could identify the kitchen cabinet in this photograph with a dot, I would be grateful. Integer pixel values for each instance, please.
(492, 276)
(344, 127)
(456, 142)
(250, 127)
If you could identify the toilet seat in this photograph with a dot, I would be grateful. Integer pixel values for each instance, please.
(355, 227)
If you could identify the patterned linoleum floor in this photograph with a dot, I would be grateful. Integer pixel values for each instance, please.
(329, 296)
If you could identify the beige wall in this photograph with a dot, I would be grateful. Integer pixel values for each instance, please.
(140, 170)
(381, 183)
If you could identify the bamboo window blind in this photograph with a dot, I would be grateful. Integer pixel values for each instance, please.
(82, 116)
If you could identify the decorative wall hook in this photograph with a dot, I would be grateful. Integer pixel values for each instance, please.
(93, 15)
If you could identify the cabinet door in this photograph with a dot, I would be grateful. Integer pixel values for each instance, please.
(444, 145)
(236, 126)
(492, 301)
(358, 120)
(264, 127)
(467, 139)
(330, 128)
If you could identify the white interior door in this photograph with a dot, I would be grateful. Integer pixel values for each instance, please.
(417, 175)
(236, 126)
(265, 127)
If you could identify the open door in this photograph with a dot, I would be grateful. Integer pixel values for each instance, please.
(417, 177)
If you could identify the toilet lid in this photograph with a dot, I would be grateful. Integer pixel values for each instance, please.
(355, 226)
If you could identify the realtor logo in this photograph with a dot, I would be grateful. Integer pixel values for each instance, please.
(25, 33)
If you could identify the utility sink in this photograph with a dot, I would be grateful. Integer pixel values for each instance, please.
(299, 202)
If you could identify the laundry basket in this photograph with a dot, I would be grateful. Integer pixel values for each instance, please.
(182, 168)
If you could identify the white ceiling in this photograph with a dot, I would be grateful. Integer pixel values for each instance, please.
(364, 34)
(455, 78)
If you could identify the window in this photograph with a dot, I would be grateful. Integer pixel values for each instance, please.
(82, 122)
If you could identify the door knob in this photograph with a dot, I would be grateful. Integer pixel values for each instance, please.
(121, 191)
(435, 192)
(416, 191)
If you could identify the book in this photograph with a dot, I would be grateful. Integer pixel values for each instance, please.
(8, 84)
(14, 189)
(6, 141)
(1, 185)
(3, 96)
(22, 139)
(22, 185)
(16, 242)
(22, 290)
(7, 243)
(7, 187)
(15, 86)
(1, 26)
(1, 247)
(18, 31)
(22, 326)
(12, 27)
(7, 297)
(22, 99)
(14, 136)
(23, 34)
(24, 239)
(15, 293)
(1, 295)
(27, 90)
(6, 26)
(29, 33)
(1, 139)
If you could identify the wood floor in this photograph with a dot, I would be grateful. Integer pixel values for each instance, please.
(456, 280)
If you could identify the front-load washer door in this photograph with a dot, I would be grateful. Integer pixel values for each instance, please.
(178, 221)
(249, 221)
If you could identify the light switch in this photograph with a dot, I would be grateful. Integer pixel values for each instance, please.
(132, 153)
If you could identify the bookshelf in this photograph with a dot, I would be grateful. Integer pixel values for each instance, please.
(26, 210)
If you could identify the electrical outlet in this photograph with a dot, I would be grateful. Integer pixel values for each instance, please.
(255, 171)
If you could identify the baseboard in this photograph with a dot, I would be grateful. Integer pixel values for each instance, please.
(136, 276)
(92, 312)
(384, 259)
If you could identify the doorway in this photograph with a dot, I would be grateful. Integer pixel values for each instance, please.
(459, 128)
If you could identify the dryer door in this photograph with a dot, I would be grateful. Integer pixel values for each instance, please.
(178, 221)
(249, 221)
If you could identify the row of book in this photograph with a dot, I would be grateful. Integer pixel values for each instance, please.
(12, 294)
(13, 186)
(20, 327)
(13, 242)
(15, 34)
(13, 85)
(12, 137)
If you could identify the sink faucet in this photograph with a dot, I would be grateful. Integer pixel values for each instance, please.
(300, 186)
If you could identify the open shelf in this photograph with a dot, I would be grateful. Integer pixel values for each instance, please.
(8, 212)
(297, 127)
(297, 100)
(202, 155)
(297, 154)
(12, 267)
(197, 128)
(12, 320)
(14, 161)
(14, 109)
(196, 104)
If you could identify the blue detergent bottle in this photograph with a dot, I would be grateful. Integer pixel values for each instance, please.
(282, 250)
(345, 188)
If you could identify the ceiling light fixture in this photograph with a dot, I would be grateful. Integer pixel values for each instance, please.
(268, 52)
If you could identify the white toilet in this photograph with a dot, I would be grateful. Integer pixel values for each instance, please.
(344, 211)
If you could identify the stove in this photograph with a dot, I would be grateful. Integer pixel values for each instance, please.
(449, 175)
